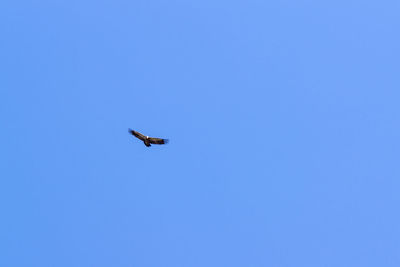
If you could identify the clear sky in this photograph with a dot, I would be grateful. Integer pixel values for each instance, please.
(283, 119)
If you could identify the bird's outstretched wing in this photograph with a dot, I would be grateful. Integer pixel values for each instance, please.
(158, 141)
(137, 134)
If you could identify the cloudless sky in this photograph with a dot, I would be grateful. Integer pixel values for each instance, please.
(283, 119)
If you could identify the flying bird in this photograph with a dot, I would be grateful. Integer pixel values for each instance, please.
(148, 140)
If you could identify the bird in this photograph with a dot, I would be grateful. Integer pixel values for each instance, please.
(148, 140)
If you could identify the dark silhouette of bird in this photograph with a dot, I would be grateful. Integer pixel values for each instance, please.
(148, 140)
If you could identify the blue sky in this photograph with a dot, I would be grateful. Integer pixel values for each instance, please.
(283, 120)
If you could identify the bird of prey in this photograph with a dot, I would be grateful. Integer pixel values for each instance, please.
(148, 140)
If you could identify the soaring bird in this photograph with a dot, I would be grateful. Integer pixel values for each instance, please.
(148, 140)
